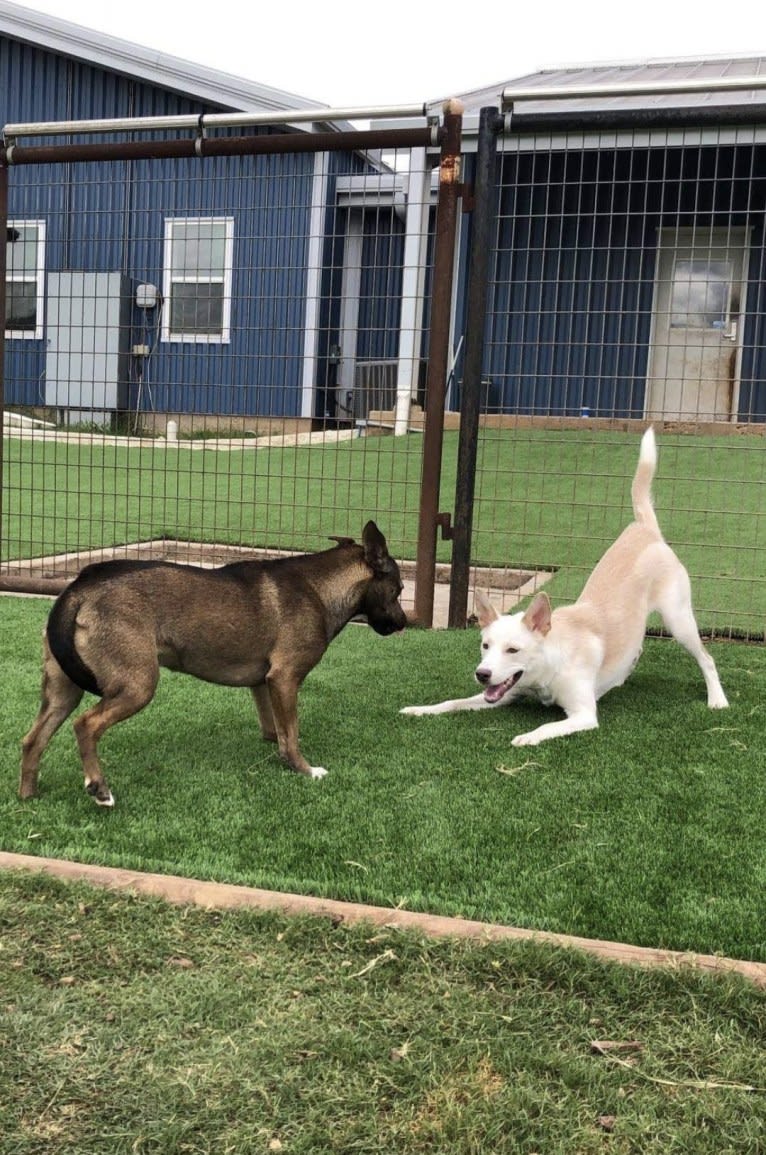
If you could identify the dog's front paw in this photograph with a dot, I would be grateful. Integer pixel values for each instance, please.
(317, 772)
(529, 739)
(416, 710)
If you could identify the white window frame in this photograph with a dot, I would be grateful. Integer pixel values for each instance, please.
(26, 276)
(222, 336)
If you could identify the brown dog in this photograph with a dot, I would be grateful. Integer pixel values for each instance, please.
(260, 624)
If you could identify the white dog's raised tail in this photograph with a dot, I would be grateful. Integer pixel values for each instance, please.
(641, 489)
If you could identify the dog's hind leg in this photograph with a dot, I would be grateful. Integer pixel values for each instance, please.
(114, 707)
(262, 699)
(60, 696)
(675, 606)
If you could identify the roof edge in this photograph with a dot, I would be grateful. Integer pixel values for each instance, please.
(112, 53)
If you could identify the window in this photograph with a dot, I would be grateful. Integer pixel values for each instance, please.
(197, 279)
(24, 278)
(700, 294)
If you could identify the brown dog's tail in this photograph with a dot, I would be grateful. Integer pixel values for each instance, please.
(641, 490)
(60, 631)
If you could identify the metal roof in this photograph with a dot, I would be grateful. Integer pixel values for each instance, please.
(647, 74)
(116, 55)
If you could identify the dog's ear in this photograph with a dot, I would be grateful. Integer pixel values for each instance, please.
(341, 540)
(486, 612)
(538, 615)
(375, 549)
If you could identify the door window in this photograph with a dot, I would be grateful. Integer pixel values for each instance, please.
(700, 294)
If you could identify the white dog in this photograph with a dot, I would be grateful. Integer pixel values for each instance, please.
(570, 657)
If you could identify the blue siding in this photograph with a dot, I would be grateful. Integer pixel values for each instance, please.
(112, 216)
(381, 287)
(269, 200)
(571, 298)
(752, 394)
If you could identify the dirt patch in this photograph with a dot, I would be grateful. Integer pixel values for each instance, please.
(68, 565)
(49, 575)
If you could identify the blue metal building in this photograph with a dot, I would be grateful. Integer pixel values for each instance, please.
(227, 268)
(629, 273)
(628, 276)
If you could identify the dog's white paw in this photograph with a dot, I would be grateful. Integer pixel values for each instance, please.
(416, 710)
(317, 772)
(718, 703)
(95, 790)
(526, 740)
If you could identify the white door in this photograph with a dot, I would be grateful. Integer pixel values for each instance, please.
(697, 325)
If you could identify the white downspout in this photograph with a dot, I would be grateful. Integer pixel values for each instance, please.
(313, 283)
(413, 278)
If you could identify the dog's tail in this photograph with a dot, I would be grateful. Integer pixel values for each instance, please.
(60, 632)
(641, 490)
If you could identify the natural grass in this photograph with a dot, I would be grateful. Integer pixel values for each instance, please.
(133, 1028)
(651, 830)
(544, 498)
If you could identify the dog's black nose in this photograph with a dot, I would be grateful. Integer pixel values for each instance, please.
(483, 676)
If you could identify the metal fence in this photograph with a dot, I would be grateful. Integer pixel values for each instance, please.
(205, 339)
(219, 344)
(618, 281)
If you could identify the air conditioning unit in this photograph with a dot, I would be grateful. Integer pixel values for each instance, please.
(374, 386)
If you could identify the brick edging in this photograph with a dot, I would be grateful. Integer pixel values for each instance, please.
(225, 896)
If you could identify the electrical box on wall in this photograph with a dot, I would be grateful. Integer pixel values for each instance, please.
(146, 296)
(88, 344)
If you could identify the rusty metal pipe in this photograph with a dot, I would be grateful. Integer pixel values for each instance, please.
(202, 146)
(482, 244)
(3, 309)
(438, 359)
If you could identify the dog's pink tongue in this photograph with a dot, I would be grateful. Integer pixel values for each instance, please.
(495, 693)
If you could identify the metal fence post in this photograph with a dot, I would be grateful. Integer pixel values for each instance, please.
(482, 246)
(438, 359)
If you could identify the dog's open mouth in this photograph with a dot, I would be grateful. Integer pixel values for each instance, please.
(495, 693)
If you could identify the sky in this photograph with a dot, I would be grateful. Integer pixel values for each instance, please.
(349, 54)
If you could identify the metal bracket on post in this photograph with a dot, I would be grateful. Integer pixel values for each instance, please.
(444, 523)
(482, 244)
(200, 138)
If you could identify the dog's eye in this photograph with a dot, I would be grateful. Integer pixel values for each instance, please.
(511, 650)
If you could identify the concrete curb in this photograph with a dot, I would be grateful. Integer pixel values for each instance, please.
(223, 896)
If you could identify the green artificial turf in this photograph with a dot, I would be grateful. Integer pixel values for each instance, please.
(132, 1028)
(548, 499)
(650, 830)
